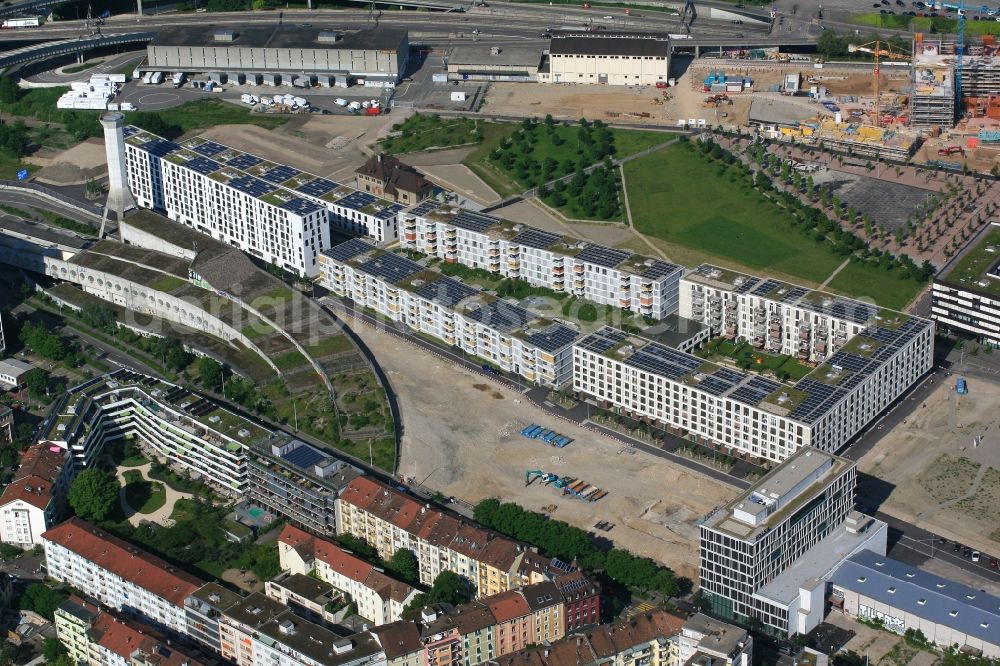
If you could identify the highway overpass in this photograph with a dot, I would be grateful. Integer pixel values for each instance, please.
(63, 47)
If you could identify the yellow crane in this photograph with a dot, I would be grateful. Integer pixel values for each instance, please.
(878, 49)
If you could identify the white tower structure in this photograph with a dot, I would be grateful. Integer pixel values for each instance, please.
(119, 195)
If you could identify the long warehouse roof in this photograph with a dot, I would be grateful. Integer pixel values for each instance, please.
(279, 37)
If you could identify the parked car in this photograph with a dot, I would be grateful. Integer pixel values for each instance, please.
(975, 556)
(993, 562)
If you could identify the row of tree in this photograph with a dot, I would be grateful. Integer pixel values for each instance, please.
(556, 538)
(593, 195)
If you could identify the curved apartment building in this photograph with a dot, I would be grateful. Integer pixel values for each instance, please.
(182, 427)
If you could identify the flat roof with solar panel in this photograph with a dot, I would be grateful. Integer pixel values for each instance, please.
(208, 148)
(317, 187)
(304, 456)
(203, 165)
(425, 207)
(551, 338)
(472, 221)
(280, 174)
(349, 249)
(499, 315)
(302, 206)
(607, 257)
(254, 187)
(244, 161)
(390, 267)
(536, 238)
(446, 291)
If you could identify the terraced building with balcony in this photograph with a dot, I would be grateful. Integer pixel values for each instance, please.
(604, 275)
(499, 332)
(748, 413)
(177, 425)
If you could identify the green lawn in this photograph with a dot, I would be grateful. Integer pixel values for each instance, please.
(757, 360)
(333, 344)
(886, 290)
(678, 197)
(428, 131)
(145, 496)
(167, 283)
(289, 360)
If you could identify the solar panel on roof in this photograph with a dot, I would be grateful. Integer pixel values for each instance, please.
(301, 206)
(659, 269)
(425, 207)
(765, 287)
(714, 386)
(129, 130)
(160, 147)
(209, 148)
(472, 221)
(499, 315)
(203, 165)
(602, 340)
(747, 284)
(279, 174)
(446, 292)
(317, 187)
(536, 238)
(349, 249)
(304, 456)
(388, 211)
(731, 376)
(555, 336)
(255, 187)
(390, 267)
(794, 294)
(357, 200)
(600, 255)
(244, 161)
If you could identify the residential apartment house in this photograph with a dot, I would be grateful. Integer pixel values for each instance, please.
(865, 358)
(298, 481)
(502, 333)
(462, 636)
(401, 643)
(768, 554)
(387, 176)
(6, 424)
(531, 615)
(379, 598)
(93, 636)
(748, 413)
(594, 272)
(257, 630)
(203, 611)
(34, 499)
(644, 640)
(389, 520)
(966, 293)
(118, 574)
(200, 184)
(167, 420)
(706, 641)
(581, 599)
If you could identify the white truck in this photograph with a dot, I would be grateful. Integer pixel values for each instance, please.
(156, 79)
(179, 79)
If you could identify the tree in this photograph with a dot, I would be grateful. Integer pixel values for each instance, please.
(93, 494)
(42, 600)
(210, 373)
(53, 649)
(405, 566)
(99, 316)
(9, 91)
(37, 381)
(44, 343)
(448, 588)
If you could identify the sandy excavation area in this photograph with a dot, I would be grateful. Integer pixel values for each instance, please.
(461, 436)
(938, 479)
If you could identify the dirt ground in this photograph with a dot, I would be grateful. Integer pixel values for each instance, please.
(939, 479)
(882, 648)
(461, 436)
(72, 166)
(328, 146)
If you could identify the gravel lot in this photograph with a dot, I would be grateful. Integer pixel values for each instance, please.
(461, 436)
(938, 479)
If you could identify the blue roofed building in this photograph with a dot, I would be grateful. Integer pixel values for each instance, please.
(873, 586)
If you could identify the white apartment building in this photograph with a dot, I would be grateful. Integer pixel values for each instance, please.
(257, 215)
(502, 333)
(707, 641)
(774, 316)
(117, 574)
(378, 597)
(608, 58)
(768, 554)
(966, 293)
(604, 275)
(179, 426)
(749, 413)
(33, 501)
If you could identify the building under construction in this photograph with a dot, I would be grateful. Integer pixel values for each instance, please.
(933, 101)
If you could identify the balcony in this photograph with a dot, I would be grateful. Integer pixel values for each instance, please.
(624, 302)
(578, 269)
(410, 236)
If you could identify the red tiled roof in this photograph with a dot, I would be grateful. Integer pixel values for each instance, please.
(388, 588)
(361, 492)
(300, 540)
(33, 483)
(124, 560)
(342, 562)
(124, 637)
(507, 606)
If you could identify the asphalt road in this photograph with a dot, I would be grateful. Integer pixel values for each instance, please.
(22, 200)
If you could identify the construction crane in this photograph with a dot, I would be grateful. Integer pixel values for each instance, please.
(879, 50)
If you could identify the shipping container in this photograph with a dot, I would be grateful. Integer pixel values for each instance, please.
(217, 77)
(253, 79)
(272, 79)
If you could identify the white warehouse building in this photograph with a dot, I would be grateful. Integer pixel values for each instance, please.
(604, 275)
(274, 212)
(608, 58)
(749, 413)
(502, 333)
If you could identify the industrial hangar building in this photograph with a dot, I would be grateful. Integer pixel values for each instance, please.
(374, 57)
(609, 58)
(494, 63)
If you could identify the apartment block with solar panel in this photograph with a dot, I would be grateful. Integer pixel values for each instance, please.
(864, 357)
(597, 273)
(275, 212)
(501, 333)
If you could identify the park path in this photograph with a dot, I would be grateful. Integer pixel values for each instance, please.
(161, 515)
(833, 274)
